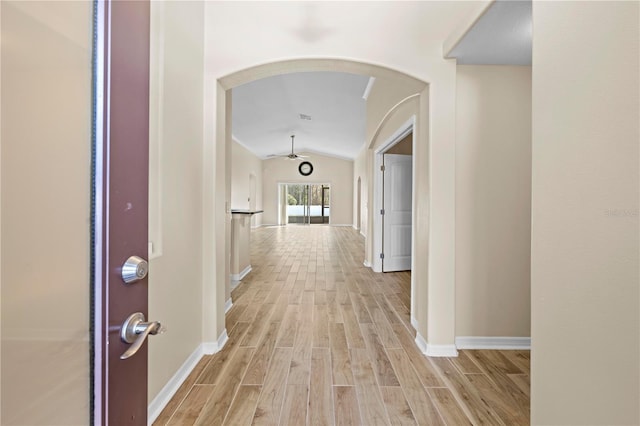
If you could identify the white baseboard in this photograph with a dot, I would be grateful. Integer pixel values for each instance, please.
(367, 264)
(448, 351)
(363, 234)
(422, 344)
(210, 348)
(241, 275)
(166, 393)
(428, 349)
(502, 343)
(414, 323)
(228, 304)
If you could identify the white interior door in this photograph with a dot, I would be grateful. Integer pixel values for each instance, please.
(396, 221)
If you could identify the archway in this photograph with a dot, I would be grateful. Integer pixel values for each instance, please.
(217, 175)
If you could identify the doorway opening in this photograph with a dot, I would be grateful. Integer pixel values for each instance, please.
(394, 201)
(306, 204)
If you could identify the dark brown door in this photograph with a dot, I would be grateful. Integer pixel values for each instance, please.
(122, 30)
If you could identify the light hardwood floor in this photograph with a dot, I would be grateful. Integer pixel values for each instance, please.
(317, 338)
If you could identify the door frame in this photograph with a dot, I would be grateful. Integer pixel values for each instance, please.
(283, 218)
(378, 193)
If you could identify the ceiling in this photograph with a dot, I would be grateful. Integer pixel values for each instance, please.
(326, 111)
(502, 36)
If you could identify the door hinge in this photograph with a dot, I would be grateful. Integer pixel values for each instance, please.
(382, 168)
(382, 211)
(381, 255)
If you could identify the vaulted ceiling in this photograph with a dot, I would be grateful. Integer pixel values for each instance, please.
(326, 111)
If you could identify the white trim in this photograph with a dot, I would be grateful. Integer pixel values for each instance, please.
(367, 264)
(241, 275)
(363, 234)
(421, 343)
(166, 393)
(367, 90)
(228, 305)
(448, 351)
(414, 322)
(485, 342)
(210, 348)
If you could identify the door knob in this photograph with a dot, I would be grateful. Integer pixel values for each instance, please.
(134, 269)
(135, 330)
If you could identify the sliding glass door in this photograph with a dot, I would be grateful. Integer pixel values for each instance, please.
(307, 203)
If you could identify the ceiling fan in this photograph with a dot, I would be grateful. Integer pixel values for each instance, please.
(292, 155)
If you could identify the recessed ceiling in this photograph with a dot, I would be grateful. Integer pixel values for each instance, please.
(325, 110)
(502, 36)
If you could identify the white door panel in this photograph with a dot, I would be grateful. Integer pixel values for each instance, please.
(397, 212)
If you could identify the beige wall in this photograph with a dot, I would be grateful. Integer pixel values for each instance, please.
(45, 175)
(175, 277)
(245, 164)
(584, 255)
(493, 201)
(334, 171)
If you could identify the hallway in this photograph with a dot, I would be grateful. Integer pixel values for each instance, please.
(317, 338)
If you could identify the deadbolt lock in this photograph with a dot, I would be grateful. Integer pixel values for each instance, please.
(134, 269)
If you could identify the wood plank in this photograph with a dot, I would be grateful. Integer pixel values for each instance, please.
(423, 408)
(182, 391)
(257, 369)
(301, 360)
(503, 405)
(346, 406)
(340, 358)
(523, 382)
(371, 405)
(427, 373)
(465, 364)
(270, 401)
(294, 411)
(352, 328)
(321, 327)
(448, 406)
(476, 408)
(320, 398)
(220, 360)
(214, 411)
(289, 327)
(190, 409)
(397, 406)
(243, 406)
(380, 362)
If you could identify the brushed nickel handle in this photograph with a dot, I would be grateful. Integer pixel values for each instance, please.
(135, 330)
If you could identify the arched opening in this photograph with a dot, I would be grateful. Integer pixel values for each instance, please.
(427, 300)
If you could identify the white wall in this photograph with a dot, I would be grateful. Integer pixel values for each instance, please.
(45, 176)
(585, 248)
(493, 201)
(175, 277)
(244, 164)
(334, 171)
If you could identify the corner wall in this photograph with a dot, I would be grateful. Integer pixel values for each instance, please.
(493, 201)
(585, 231)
